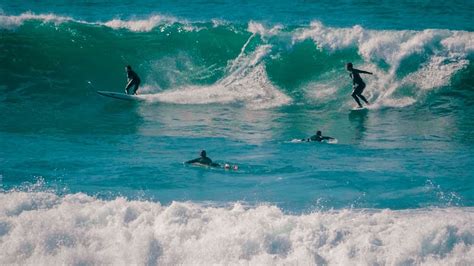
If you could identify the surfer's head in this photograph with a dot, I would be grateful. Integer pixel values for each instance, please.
(318, 133)
(128, 68)
(203, 153)
(349, 66)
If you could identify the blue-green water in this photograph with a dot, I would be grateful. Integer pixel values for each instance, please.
(87, 175)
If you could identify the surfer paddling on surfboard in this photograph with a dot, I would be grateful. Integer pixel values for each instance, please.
(133, 81)
(318, 137)
(204, 160)
(357, 83)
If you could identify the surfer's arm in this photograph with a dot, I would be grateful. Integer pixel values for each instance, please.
(352, 77)
(192, 161)
(328, 138)
(364, 72)
(129, 85)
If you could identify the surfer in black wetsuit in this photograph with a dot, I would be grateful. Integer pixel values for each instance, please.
(203, 160)
(357, 83)
(133, 80)
(318, 137)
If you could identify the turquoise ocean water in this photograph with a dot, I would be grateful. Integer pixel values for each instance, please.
(88, 180)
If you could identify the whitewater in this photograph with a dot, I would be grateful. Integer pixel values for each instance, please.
(87, 180)
(78, 229)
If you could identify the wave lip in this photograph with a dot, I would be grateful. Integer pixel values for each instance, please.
(137, 25)
(40, 227)
(12, 22)
(141, 25)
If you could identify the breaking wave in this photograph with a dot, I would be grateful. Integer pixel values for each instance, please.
(218, 62)
(43, 228)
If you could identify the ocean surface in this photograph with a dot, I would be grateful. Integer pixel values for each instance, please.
(89, 180)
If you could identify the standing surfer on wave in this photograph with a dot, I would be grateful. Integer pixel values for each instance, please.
(133, 80)
(357, 83)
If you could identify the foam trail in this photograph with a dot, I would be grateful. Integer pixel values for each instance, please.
(41, 228)
(247, 83)
(255, 29)
(241, 54)
(254, 91)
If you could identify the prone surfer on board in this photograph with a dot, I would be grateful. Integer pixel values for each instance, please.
(204, 160)
(357, 83)
(133, 81)
(318, 137)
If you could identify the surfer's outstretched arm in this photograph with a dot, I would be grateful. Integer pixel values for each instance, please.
(364, 72)
(193, 161)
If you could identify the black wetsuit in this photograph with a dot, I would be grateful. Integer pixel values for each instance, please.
(134, 81)
(358, 85)
(319, 138)
(204, 161)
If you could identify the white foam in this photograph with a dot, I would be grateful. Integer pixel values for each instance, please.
(254, 91)
(459, 42)
(246, 83)
(260, 29)
(43, 229)
(136, 25)
(436, 73)
(322, 91)
(140, 25)
(326, 88)
(12, 22)
(389, 45)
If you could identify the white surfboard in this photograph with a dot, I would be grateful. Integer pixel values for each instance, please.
(120, 96)
(224, 166)
(297, 140)
(330, 141)
(359, 109)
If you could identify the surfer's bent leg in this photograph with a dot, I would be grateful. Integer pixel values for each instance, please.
(354, 95)
(128, 87)
(360, 89)
(136, 87)
(363, 98)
